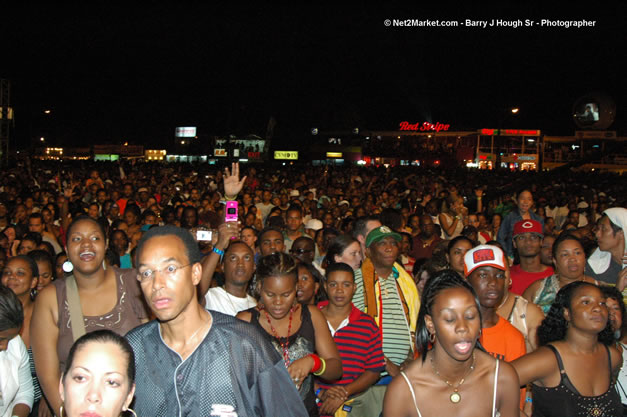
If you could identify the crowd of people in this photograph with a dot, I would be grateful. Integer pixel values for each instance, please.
(339, 291)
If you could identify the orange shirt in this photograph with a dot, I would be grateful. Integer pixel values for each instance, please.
(505, 342)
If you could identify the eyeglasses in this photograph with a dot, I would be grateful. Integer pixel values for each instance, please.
(169, 271)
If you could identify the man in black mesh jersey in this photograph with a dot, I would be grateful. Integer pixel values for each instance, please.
(192, 362)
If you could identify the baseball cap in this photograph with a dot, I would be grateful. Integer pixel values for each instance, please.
(314, 224)
(483, 255)
(527, 226)
(381, 233)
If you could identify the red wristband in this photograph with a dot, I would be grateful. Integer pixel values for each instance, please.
(317, 363)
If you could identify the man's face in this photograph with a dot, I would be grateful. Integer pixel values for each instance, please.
(294, 220)
(271, 242)
(529, 245)
(101, 197)
(195, 195)
(384, 252)
(189, 219)
(35, 225)
(239, 264)
(267, 196)
(128, 191)
(26, 246)
(573, 218)
(167, 279)
(249, 237)
(426, 227)
(489, 284)
(304, 250)
(606, 238)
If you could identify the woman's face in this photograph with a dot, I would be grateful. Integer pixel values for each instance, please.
(587, 309)
(45, 274)
(456, 256)
(455, 320)
(97, 383)
(307, 286)
(278, 295)
(570, 259)
(93, 211)
(351, 256)
(496, 221)
(86, 247)
(422, 280)
(18, 276)
(613, 309)
(10, 233)
(525, 201)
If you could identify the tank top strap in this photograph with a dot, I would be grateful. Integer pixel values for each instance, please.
(496, 378)
(413, 394)
(560, 364)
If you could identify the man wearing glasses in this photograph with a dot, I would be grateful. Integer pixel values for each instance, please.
(190, 361)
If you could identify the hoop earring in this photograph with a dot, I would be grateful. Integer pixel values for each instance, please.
(104, 265)
(67, 266)
(130, 410)
(61, 411)
(432, 337)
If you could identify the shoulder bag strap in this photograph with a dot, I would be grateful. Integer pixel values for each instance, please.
(74, 304)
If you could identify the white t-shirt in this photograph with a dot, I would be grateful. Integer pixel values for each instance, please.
(16, 382)
(218, 299)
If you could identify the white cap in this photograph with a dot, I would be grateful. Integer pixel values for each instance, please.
(483, 255)
(314, 224)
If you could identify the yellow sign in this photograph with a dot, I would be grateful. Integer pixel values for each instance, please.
(285, 154)
(334, 154)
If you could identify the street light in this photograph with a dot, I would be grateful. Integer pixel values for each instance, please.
(47, 111)
(42, 139)
(515, 110)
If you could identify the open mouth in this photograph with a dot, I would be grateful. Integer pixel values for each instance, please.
(463, 347)
(87, 256)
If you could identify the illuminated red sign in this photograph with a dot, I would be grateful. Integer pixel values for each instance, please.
(509, 132)
(254, 155)
(426, 126)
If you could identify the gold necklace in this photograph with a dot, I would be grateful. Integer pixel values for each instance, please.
(455, 396)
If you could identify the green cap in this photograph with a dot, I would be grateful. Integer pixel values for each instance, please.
(381, 233)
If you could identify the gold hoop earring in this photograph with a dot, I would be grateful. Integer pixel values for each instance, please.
(130, 410)
(432, 337)
(61, 411)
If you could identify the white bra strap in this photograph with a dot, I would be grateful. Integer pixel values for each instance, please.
(496, 378)
(413, 395)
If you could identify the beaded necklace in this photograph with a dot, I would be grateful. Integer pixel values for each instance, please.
(284, 345)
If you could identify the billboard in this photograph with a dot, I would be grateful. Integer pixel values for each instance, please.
(285, 154)
(185, 132)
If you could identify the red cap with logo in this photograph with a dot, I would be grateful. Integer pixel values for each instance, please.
(528, 226)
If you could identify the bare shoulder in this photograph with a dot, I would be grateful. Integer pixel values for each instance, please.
(534, 312)
(316, 314)
(398, 401)
(46, 300)
(508, 377)
(531, 290)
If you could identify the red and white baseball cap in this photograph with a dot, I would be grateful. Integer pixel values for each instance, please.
(527, 226)
(483, 255)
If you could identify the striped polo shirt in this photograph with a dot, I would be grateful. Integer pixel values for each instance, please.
(359, 342)
(393, 323)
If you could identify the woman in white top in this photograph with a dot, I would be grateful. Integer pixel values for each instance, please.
(454, 376)
(16, 383)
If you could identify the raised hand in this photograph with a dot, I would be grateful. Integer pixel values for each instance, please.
(232, 184)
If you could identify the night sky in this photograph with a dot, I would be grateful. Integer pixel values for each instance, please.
(114, 74)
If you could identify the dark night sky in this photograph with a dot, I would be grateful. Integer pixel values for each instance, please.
(114, 74)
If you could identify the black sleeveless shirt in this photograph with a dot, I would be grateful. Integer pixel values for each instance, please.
(301, 343)
(565, 400)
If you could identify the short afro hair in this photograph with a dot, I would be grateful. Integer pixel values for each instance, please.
(191, 247)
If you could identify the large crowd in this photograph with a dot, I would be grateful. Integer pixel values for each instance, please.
(335, 291)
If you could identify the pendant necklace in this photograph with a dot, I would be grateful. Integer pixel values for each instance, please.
(284, 345)
(455, 397)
